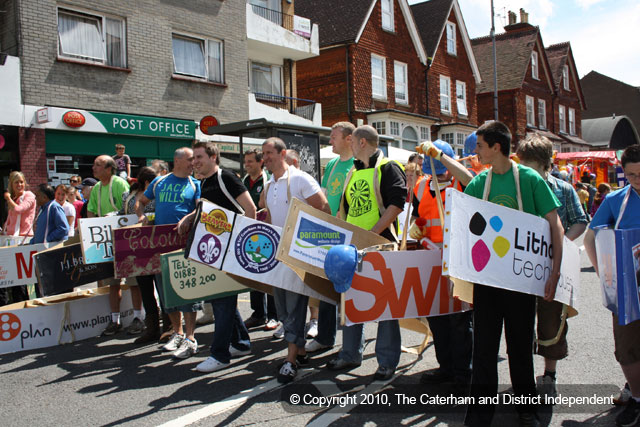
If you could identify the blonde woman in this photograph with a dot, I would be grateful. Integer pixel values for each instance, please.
(22, 206)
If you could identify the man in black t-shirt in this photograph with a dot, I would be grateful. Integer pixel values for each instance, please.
(230, 337)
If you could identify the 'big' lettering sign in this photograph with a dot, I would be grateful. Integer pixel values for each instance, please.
(399, 285)
(95, 236)
(16, 265)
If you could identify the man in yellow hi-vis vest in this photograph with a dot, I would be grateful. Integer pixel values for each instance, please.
(373, 198)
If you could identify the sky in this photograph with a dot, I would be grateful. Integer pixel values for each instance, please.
(604, 34)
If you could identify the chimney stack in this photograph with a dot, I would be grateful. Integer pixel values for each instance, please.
(512, 17)
(524, 16)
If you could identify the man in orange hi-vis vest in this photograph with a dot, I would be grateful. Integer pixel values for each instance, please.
(452, 333)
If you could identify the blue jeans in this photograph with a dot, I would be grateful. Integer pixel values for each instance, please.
(387, 344)
(327, 323)
(453, 340)
(229, 328)
(292, 312)
(187, 308)
(263, 305)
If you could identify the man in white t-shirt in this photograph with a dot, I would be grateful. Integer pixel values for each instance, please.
(287, 182)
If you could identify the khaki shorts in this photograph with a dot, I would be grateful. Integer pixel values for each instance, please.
(131, 281)
(108, 282)
(552, 327)
(627, 339)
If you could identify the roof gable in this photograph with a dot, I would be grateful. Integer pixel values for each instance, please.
(343, 22)
(513, 51)
(431, 17)
(560, 55)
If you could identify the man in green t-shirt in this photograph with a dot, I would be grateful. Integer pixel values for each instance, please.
(332, 185)
(495, 306)
(106, 198)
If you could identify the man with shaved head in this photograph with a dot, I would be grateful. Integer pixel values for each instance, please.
(106, 199)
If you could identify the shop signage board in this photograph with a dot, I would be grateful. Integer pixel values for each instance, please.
(144, 125)
(138, 249)
(17, 266)
(63, 319)
(497, 246)
(185, 281)
(62, 268)
(399, 285)
(619, 267)
(95, 236)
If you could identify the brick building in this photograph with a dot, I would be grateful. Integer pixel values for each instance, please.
(140, 74)
(532, 95)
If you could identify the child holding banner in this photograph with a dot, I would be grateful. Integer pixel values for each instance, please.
(517, 187)
(620, 209)
(536, 152)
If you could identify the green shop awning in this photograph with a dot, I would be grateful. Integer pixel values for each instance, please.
(94, 144)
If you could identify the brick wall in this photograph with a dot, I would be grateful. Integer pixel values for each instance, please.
(324, 79)
(396, 46)
(8, 33)
(33, 162)
(147, 87)
(456, 67)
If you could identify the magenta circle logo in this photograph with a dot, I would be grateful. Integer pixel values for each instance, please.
(209, 249)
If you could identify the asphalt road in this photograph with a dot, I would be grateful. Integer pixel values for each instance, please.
(111, 381)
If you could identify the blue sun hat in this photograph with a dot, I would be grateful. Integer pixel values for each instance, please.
(470, 143)
(340, 265)
(440, 168)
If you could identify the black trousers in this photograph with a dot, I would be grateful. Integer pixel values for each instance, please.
(494, 307)
(145, 283)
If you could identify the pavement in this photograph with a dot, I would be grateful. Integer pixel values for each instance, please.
(111, 381)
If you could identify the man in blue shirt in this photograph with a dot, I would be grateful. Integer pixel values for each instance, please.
(176, 195)
(620, 209)
(51, 223)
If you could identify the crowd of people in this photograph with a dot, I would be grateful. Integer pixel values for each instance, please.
(466, 343)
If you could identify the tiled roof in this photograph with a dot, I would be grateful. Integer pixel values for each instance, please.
(513, 56)
(557, 57)
(338, 20)
(430, 17)
(606, 96)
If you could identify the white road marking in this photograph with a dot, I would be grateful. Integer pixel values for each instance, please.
(230, 402)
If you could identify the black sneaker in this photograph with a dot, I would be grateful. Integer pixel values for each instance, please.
(136, 327)
(436, 376)
(287, 372)
(303, 361)
(630, 415)
(254, 322)
(112, 328)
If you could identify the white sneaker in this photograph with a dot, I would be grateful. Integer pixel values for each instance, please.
(237, 352)
(279, 334)
(313, 346)
(205, 316)
(271, 325)
(187, 349)
(211, 364)
(174, 342)
(312, 328)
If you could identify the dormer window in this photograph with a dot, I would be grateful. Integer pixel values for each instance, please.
(534, 65)
(451, 38)
(387, 15)
(565, 77)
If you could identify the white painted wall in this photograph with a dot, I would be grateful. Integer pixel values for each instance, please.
(10, 94)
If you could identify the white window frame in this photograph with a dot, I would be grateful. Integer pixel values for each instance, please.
(101, 20)
(531, 120)
(445, 94)
(387, 24)
(394, 128)
(273, 87)
(542, 114)
(461, 98)
(382, 78)
(534, 65)
(380, 126)
(572, 121)
(565, 78)
(451, 38)
(425, 134)
(448, 137)
(205, 44)
(400, 70)
(562, 119)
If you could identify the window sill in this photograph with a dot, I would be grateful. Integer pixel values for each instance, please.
(454, 54)
(377, 98)
(446, 113)
(196, 80)
(402, 103)
(390, 31)
(92, 64)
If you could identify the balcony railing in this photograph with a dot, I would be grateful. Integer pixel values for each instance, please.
(279, 18)
(300, 107)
